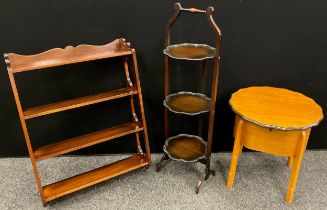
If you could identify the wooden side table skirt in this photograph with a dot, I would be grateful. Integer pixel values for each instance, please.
(260, 126)
(291, 144)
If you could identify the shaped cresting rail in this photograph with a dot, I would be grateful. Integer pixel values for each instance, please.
(62, 56)
(208, 13)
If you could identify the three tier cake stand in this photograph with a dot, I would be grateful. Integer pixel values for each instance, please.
(185, 147)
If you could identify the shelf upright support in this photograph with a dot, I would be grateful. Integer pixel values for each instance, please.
(139, 91)
(214, 93)
(167, 43)
(25, 130)
(203, 88)
(131, 100)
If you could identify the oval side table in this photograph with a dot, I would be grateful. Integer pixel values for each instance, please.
(276, 121)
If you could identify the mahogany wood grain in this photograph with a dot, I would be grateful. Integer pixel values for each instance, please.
(215, 79)
(131, 102)
(191, 52)
(188, 103)
(191, 10)
(68, 55)
(87, 179)
(56, 57)
(215, 75)
(167, 89)
(203, 91)
(26, 136)
(140, 99)
(78, 102)
(87, 140)
(186, 148)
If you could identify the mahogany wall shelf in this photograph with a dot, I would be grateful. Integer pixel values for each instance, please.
(185, 147)
(69, 55)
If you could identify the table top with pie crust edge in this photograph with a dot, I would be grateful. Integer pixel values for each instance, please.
(276, 108)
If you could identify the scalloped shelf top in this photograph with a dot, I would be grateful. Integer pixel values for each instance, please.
(190, 51)
(187, 103)
(184, 147)
(68, 55)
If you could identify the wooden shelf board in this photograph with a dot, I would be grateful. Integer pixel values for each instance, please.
(87, 179)
(77, 102)
(71, 61)
(190, 51)
(188, 103)
(90, 139)
(184, 147)
(67, 55)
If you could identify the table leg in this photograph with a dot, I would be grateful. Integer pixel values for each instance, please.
(236, 152)
(241, 149)
(296, 165)
(290, 161)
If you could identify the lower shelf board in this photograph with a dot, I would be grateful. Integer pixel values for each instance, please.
(90, 139)
(185, 147)
(87, 179)
(187, 103)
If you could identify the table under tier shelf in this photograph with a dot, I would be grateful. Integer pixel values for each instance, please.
(190, 51)
(184, 147)
(187, 103)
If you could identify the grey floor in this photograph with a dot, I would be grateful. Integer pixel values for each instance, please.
(260, 183)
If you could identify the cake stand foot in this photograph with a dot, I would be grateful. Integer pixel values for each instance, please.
(212, 172)
(198, 185)
(164, 157)
(200, 182)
